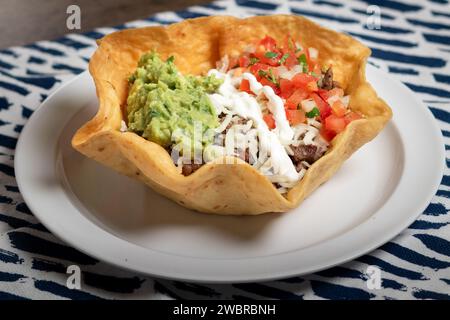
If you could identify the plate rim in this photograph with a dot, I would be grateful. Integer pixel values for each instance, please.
(369, 245)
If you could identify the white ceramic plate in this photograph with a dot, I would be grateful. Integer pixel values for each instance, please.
(372, 198)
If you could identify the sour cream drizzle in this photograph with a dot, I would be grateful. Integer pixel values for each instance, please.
(275, 105)
(247, 107)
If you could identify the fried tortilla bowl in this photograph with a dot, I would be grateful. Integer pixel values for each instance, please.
(197, 44)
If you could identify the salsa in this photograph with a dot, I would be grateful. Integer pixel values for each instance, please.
(308, 90)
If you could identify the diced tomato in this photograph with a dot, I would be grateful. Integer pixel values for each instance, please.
(290, 54)
(327, 134)
(259, 51)
(322, 105)
(312, 86)
(266, 82)
(244, 61)
(286, 88)
(268, 43)
(295, 116)
(245, 86)
(338, 108)
(301, 80)
(272, 61)
(256, 67)
(323, 94)
(335, 124)
(351, 116)
(297, 97)
(275, 61)
(268, 118)
(291, 61)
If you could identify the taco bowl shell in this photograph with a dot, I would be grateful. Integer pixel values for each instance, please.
(197, 44)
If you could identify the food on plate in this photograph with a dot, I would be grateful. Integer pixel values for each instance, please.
(231, 116)
(273, 106)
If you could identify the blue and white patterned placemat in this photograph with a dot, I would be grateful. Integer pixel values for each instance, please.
(413, 45)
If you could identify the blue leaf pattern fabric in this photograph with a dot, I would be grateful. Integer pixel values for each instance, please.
(413, 46)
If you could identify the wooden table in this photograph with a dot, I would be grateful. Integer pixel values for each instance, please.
(26, 21)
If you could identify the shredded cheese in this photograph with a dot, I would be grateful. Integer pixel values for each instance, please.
(244, 129)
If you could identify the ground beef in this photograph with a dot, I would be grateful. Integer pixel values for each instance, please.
(190, 168)
(327, 80)
(305, 152)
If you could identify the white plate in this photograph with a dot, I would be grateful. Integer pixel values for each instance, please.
(372, 198)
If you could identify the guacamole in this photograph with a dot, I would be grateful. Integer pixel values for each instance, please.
(164, 106)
